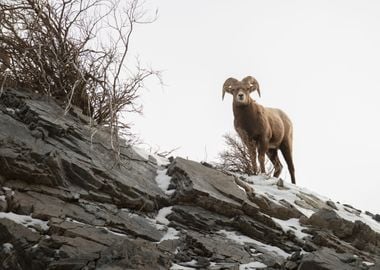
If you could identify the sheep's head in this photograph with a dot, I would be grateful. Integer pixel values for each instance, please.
(241, 89)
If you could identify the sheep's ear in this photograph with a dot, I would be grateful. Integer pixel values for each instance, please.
(252, 84)
(227, 86)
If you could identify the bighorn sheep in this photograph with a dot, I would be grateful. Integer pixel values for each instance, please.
(264, 129)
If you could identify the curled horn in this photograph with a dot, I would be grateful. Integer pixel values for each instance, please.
(227, 86)
(253, 84)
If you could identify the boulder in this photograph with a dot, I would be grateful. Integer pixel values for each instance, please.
(328, 259)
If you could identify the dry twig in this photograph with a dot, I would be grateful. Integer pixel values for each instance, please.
(76, 51)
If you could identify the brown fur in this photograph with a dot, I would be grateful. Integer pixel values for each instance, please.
(263, 130)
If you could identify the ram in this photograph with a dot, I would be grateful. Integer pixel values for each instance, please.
(263, 130)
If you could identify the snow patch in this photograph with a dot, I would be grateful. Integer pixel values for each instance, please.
(241, 188)
(161, 161)
(242, 240)
(293, 225)
(162, 214)
(368, 263)
(180, 267)
(161, 223)
(290, 193)
(7, 248)
(75, 221)
(267, 187)
(362, 217)
(98, 227)
(112, 232)
(163, 181)
(171, 234)
(252, 266)
(26, 221)
(10, 110)
(2, 198)
(141, 152)
(190, 263)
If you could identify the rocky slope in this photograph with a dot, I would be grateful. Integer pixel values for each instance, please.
(66, 202)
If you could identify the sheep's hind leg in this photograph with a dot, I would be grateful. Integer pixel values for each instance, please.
(273, 156)
(287, 153)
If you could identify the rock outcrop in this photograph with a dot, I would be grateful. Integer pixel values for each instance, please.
(68, 201)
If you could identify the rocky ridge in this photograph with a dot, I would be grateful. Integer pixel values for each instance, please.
(67, 201)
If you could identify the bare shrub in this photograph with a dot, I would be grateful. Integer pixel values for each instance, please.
(76, 51)
(236, 157)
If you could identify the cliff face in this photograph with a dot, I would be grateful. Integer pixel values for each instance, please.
(67, 201)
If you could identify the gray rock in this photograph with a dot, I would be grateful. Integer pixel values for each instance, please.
(376, 217)
(369, 214)
(359, 234)
(102, 214)
(209, 188)
(309, 201)
(331, 204)
(136, 254)
(278, 210)
(325, 259)
(280, 183)
(291, 265)
(20, 239)
(329, 219)
(69, 156)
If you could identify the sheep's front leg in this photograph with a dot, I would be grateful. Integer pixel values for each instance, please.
(262, 148)
(251, 146)
(252, 152)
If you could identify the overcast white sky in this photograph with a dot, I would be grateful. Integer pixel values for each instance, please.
(319, 61)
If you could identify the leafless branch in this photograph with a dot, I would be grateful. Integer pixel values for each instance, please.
(236, 157)
(76, 51)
